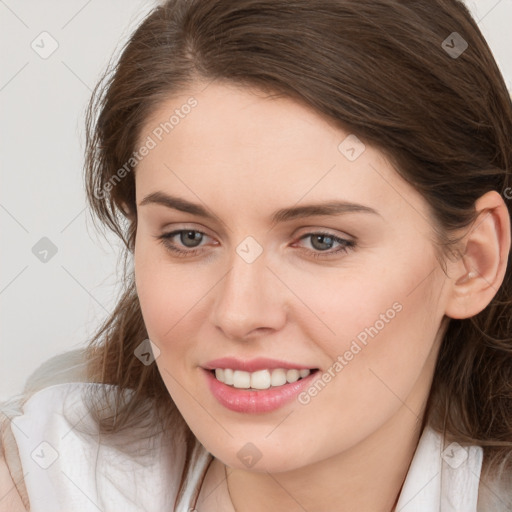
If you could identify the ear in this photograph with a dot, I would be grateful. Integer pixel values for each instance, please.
(476, 277)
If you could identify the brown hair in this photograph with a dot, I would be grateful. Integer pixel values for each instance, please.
(379, 69)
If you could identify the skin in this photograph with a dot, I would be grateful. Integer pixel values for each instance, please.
(243, 156)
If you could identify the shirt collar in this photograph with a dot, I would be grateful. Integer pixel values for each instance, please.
(441, 477)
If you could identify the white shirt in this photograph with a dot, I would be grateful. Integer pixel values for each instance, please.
(66, 470)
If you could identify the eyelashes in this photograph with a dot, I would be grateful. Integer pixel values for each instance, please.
(192, 235)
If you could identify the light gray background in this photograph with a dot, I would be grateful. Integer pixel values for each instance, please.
(47, 308)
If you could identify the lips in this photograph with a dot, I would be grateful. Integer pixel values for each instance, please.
(265, 399)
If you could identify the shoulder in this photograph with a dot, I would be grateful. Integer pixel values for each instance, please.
(64, 460)
(24, 420)
(10, 497)
(13, 497)
(495, 491)
(481, 474)
(449, 473)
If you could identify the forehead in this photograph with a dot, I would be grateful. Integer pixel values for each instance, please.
(237, 120)
(238, 146)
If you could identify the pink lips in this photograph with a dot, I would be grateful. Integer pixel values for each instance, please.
(246, 401)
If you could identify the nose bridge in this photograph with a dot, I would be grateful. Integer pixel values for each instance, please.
(247, 298)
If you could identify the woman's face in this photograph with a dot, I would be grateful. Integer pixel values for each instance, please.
(352, 290)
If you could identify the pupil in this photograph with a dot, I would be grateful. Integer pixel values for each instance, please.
(318, 238)
(190, 236)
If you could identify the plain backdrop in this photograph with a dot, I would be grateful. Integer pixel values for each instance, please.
(58, 276)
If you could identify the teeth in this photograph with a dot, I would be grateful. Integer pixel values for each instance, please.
(262, 379)
(278, 377)
(228, 377)
(292, 375)
(241, 379)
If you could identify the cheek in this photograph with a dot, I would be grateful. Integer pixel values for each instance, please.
(167, 292)
(169, 298)
(387, 294)
(375, 328)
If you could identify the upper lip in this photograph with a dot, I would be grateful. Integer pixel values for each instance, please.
(253, 365)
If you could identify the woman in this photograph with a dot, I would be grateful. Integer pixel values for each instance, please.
(316, 196)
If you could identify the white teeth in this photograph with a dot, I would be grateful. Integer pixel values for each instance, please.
(228, 376)
(278, 377)
(241, 380)
(292, 375)
(261, 379)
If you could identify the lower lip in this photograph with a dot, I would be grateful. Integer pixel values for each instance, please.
(266, 400)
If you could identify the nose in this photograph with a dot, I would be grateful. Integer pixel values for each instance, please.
(249, 301)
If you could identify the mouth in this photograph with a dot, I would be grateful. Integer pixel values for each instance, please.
(261, 379)
(258, 392)
(259, 385)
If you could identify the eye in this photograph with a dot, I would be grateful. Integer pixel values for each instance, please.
(188, 238)
(322, 243)
(187, 242)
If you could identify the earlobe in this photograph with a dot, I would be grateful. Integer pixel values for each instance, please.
(477, 276)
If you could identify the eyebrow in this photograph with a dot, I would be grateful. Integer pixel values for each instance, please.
(282, 215)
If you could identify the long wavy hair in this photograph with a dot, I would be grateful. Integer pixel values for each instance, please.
(381, 69)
